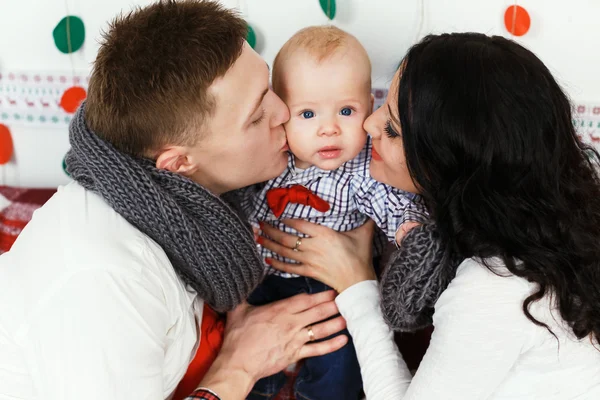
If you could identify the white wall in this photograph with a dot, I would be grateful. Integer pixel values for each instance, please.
(564, 34)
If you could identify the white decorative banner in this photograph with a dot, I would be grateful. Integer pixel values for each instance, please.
(586, 118)
(33, 98)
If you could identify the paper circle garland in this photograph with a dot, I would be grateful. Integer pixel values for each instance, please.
(69, 34)
(328, 7)
(64, 166)
(251, 37)
(72, 98)
(6, 144)
(517, 20)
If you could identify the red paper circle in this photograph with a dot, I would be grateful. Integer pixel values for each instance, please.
(6, 144)
(517, 20)
(72, 98)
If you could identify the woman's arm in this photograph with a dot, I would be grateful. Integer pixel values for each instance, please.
(385, 374)
(480, 331)
(480, 328)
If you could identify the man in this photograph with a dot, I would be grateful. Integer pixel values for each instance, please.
(126, 258)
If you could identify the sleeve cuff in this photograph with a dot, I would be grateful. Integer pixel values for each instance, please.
(359, 299)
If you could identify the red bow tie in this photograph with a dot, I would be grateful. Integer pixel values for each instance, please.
(279, 198)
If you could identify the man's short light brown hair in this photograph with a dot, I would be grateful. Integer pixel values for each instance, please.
(149, 84)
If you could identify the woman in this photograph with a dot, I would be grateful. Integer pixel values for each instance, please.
(479, 127)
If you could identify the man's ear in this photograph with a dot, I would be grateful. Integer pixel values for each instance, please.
(176, 159)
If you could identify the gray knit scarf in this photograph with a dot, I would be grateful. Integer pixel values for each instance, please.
(211, 248)
(415, 277)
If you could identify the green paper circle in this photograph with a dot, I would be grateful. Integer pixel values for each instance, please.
(77, 34)
(328, 7)
(64, 165)
(251, 36)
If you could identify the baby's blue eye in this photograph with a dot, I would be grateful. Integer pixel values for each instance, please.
(346, 111)
(308, 114)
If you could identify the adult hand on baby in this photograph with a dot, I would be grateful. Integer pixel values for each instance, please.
(263, 340)
(338, 259)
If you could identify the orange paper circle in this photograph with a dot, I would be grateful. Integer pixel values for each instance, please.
(6, 144)
(517, 20)
(72, 98)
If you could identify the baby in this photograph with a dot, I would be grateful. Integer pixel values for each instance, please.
(323, 74)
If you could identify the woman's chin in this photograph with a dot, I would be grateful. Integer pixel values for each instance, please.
(376, 171)
(394, 179)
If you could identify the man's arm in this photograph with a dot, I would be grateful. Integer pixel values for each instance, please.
(99, 335)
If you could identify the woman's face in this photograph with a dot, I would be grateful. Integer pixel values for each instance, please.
(388, 164)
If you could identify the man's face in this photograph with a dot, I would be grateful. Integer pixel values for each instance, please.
(244, 140)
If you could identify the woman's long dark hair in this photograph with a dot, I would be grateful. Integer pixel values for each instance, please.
(489, 140)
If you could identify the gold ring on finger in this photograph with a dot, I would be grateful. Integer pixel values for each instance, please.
(298, 243)
(311, 334)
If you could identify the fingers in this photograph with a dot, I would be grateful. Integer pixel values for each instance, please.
(315, 333)
(308, 228)
(321, 348)
(282, 250)
(298, 269)
(324, 329)
(318, 313)
(279, 236)
(302, 302)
